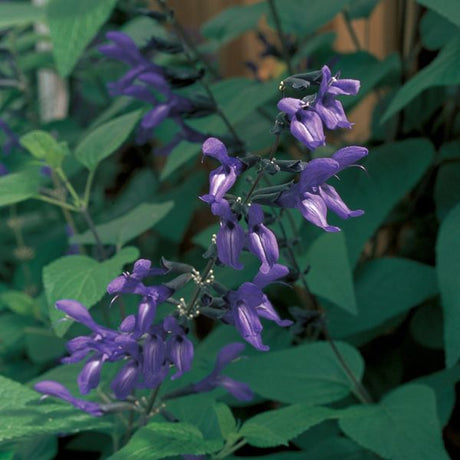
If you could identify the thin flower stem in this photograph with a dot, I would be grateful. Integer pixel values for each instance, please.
(59, 203)
(92, 227)
(351, 31)
(68, 186)
(359, 389)
(229, 449)
(187, 44)
(261, 174)
(279, 30)
(196, 293)
(89, 183)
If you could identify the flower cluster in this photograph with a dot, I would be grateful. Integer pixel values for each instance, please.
(149, 350)
(153, 84)
(306, 116)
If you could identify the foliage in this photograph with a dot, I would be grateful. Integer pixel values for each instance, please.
(111, 224)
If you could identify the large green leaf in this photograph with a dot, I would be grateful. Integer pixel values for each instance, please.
(403, 426)
(436, 31)
(278, 427)
(309, 374)
(448, 270)
(19, 186)
(385, 288)
(81, 278)
(125, 228)
(24, 416)
(443, 384)
(447, 188)
(72, 25)
(233, 21)
(160, 440)
(447, 8)
(393, 170)
(442, 71)
(19, 13)
(330, 274)
(44, 147)
(105, 139)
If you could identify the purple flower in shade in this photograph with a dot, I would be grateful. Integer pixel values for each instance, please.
(327, 106)
(179, 348)
(155, 365)
(3, 169)
(51, 388)
(12, 141)
(90, 375)
(123, 49)
(131, 283)
(249, 303)
(261, 240)
(126, 380)
(78, 312)
(215, 379)
(305, 125)
(221, 180)
(313, 197)
(230, 237)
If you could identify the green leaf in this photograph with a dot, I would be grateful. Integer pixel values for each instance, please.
(125, 228)
(436, 31)
(80, 278)
(18, 302)
(441, 71)
(160, 440)
(447, 189)
(225, 419)
(23, 415)
(105, 139)
(278, 427)
(42, 345)
(393, 170)
(307, 374)
(448, 271)
(44, 147)
(385, 288)
(19, 14)
(330, 274)
(303, 17)
(232, 22)
(72, 25)
(403, 426)
(447, 8)
(19, 186)
(184, 152)
(12, 329)
(426, 326)
(443, 384)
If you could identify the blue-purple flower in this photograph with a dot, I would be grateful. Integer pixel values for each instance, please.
(312, 197)
(56, 389)
(261, 240)
(215, 379)
(249, 303)
(221, 179)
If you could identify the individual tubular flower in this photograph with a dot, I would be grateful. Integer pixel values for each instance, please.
(261, 240)
(313, 197)
(221, 180)
(230, 237)
(215, 379)
(52, 388)
(179, 348)
(305, 125)
(249, 303)
(126, 380)
(327, 106)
